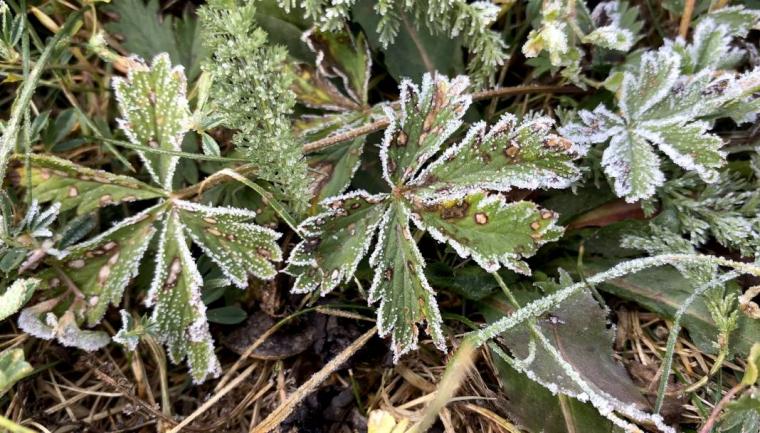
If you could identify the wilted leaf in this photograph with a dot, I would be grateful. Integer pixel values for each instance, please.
(343, 55)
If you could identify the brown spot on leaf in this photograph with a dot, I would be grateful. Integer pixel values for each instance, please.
(455, 211)
(535, 225)
(481, 218)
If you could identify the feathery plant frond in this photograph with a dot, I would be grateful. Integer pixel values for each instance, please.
(458, 198)
(452, 18)
(87, 277)
(251, 93)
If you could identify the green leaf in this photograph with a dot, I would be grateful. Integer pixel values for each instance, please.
(414, 50)
(82, 188)
(399, 283)
(230, 238)
(147, 32)
(230, 315)
(633, 165)
(692, 148)
(509, 155)
(490, 229)
(429, 115)
(752, 371)
(103, 266)
(179, 315)
(155, 113)
(343, 55)
(655, 76)
(334, 168)
(335, 241)
(663, 291)
(16, 296)
(13, 367)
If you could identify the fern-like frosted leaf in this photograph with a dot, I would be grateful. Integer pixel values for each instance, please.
(335, 241)
(341, 54)
(83, 188)
(229, 237)
(16, 296)
(13, 367)
(405, 296)
(179, 315)
(155, 113)
(490, 229)
(635, 168)
(656, 75)
(102, 267)
(691, 147)
(525, 155)
(429, 115)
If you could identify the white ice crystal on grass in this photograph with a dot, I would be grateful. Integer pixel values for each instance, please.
(450, 199)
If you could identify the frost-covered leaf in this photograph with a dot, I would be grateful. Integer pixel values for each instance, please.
(610, 37)
(509, 155)
(229, 237)
(738, 19)
(490, 229)
(16, 296)
(633, 165)
(83, 188)
(551, 36)
(405, 296)
(155, 113)
(429, 115)
(579, 331)
(661, 107)
(102, 267)
(13, 367)
(179, 315)
(691, 147)
(344, 55)
(129, 334)
(335, 241)
(655, 76)
(59, 318)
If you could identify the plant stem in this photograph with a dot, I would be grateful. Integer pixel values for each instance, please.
(541, 306)
(719, 407)
(667, 363)
(10, 134)
(688, 11)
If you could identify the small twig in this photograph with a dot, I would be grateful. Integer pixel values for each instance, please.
(688, 11)
(212, 401)
(719, 407)
(286, 408)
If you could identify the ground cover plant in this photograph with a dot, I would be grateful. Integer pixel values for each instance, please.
(343, 216)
